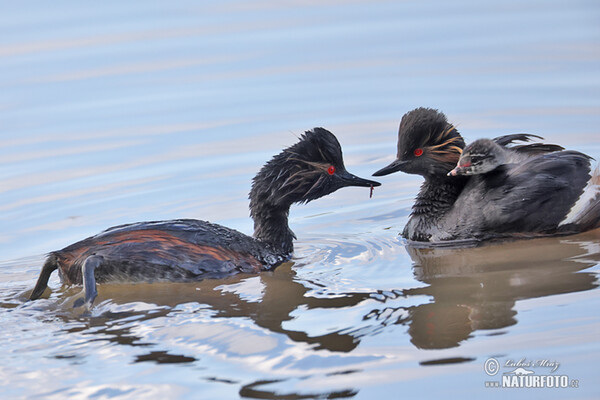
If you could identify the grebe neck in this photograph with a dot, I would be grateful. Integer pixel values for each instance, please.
(271, 227)
(437, 195)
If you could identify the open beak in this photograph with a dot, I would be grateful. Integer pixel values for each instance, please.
(395, 166)
(349, 179)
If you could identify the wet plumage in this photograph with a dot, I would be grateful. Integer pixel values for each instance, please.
(500, 189)
(187, 249)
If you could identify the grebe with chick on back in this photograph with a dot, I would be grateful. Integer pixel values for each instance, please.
(494, 190)
(187, 249)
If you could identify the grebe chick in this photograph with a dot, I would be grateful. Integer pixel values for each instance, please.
(542, 190)
(189, 250)
(485, 155)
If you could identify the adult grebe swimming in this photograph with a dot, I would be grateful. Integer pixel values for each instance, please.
(521, 191)
(187, 249)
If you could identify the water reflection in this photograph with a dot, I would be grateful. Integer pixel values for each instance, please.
(292, 325)
(476, 288)
(279, 389)
(469, 289)
(279, 295)
(182, 323)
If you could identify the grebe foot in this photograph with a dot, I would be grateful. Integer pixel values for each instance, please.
(89, 281)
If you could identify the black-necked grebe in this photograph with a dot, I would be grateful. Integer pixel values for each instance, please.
(520, 191)
(187, 250)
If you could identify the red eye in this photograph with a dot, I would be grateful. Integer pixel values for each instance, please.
(419, 152)
(331, 170)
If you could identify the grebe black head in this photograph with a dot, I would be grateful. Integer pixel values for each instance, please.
(480, 157)
(309, 169)
(312, 168)
(542, 190)
(187, 250)
(427, 145)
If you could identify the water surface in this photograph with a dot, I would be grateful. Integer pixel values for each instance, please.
(118, 113)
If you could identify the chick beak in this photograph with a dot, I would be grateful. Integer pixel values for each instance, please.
(460, 170)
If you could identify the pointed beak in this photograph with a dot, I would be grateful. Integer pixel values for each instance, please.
(396, 165)
(454, 172)
(349, 179)
(458, 170)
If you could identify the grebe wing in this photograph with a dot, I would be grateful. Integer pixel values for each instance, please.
(536, 195)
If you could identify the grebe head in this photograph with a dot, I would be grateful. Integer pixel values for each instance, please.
(427, 145)
(479, 157)
(311, 168)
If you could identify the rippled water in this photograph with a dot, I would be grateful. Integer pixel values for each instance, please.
(114, 113)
